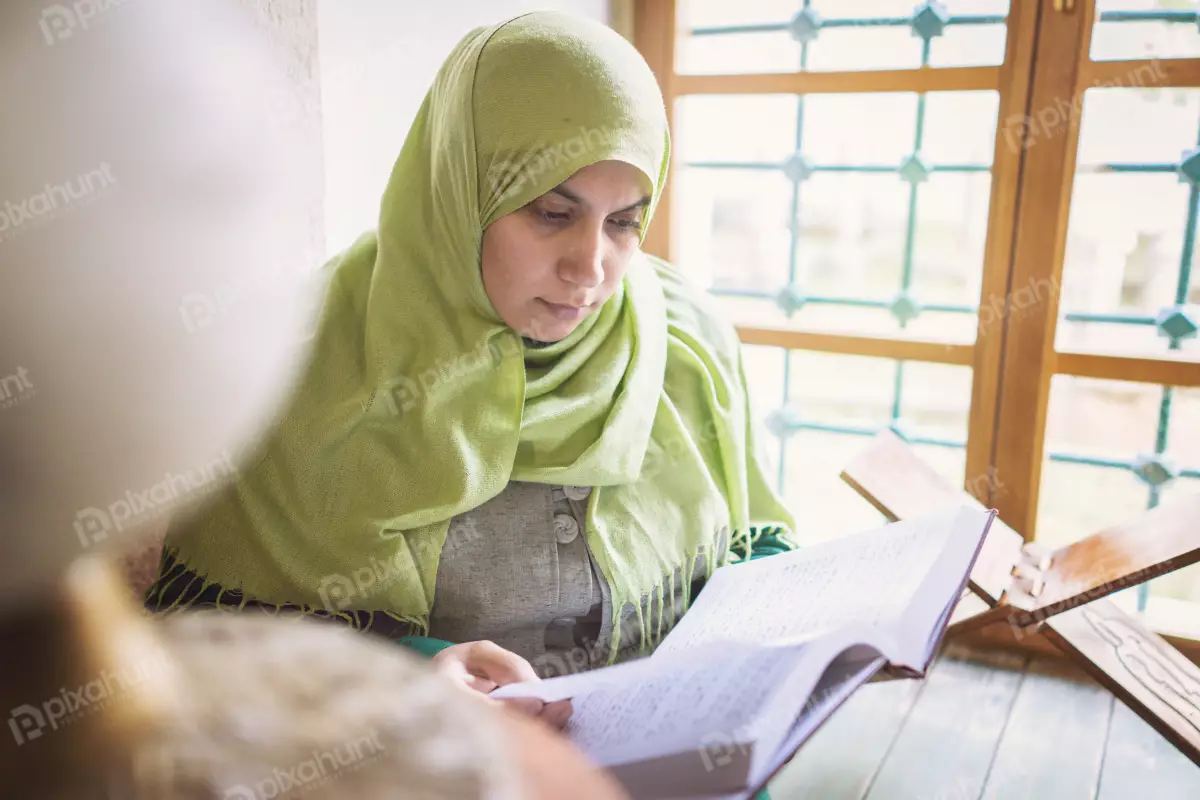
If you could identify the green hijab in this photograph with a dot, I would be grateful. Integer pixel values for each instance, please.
(420, 404)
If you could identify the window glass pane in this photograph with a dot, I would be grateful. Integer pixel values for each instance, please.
(836, 390)
(1183, 584)
(1077, 500)
(969, 46)
(825, 507)
(1132, 223)
(1145, 29)
(952, 213)
(1124, 247)
(737, 128)
(862, 48)
(732, 227)
(738, 53)
(1130, 125)
(707, 13)
(1114, 421)
(841, 402)
(864, 9)
(960, 127)
(756, 36)
(852, 208)
(849, 263)
(859, 128)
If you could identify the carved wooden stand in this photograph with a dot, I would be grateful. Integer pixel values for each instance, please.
(1059, 593)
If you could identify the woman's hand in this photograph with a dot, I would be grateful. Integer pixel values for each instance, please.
(484, 666)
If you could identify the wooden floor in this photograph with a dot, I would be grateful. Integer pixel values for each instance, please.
(987, 725)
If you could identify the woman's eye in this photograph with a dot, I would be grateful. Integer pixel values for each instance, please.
(556, 216)
(627, 224)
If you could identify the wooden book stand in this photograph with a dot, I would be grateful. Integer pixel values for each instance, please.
(1059, 593)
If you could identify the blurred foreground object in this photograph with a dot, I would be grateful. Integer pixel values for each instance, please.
(212, 706)
(149, 323)
(151, 326)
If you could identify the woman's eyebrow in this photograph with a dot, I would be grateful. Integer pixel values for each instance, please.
(562, 191)
(645, 201)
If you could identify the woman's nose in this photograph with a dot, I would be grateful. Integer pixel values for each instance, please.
(584, 264)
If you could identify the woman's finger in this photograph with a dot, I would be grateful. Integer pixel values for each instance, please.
(478, 684)
(558, 713)
(488, 660)
(526, 706)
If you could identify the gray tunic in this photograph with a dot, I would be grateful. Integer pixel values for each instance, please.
(517, 571)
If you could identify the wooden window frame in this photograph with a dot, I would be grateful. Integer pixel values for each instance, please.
(1014, 362)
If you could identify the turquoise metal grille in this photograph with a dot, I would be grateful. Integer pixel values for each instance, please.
(928, 21)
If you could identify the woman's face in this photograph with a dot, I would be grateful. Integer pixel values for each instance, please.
(551, 263)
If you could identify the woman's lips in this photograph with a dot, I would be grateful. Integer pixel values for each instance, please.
(566, 313)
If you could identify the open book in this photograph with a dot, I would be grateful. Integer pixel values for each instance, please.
(767, 652)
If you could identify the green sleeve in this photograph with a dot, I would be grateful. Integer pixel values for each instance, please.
(771, 542)
(425, 645)
(766, 541)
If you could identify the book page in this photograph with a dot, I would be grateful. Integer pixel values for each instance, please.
(843, 677)
(924, 620)
(868, 578)
(707, 697)
(684, 703)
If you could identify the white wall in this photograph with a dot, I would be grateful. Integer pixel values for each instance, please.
(377, 59)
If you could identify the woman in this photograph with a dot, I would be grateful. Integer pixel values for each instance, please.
(518, 433)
